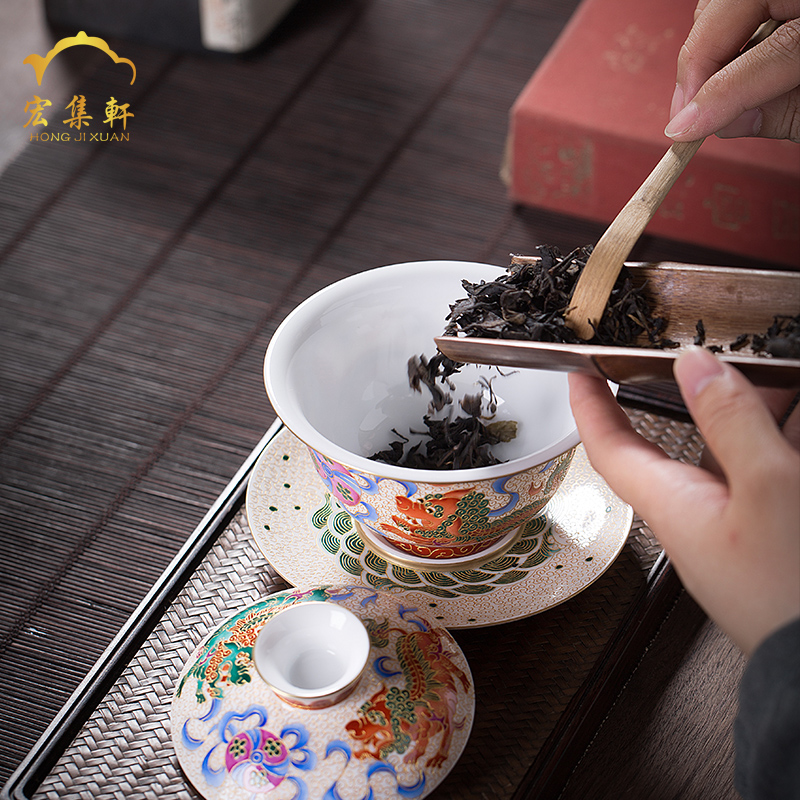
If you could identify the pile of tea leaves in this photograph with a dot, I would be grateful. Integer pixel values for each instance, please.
(530, 302)
(461, 442)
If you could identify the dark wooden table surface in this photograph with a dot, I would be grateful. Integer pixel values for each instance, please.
(140, 282)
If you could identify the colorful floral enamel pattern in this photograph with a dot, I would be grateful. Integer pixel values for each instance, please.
(309, 538)
(397, 735)
(427, 521)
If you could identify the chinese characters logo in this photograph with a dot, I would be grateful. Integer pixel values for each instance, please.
(80, 113)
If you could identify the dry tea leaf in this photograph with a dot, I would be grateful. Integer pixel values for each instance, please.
(502, 430)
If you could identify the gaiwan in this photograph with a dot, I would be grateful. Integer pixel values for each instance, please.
(336, 374)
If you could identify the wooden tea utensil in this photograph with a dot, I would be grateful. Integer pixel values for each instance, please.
(605, 263)
(730, 301)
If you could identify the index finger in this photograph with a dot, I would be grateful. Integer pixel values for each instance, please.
(719, 32)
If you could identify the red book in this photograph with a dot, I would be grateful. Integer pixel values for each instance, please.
(589, 127)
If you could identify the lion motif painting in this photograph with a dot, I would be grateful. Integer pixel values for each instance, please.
(399, 733)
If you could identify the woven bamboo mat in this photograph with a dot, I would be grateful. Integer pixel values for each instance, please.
(525, 672)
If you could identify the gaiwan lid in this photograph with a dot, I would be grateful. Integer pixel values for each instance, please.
(396, 734)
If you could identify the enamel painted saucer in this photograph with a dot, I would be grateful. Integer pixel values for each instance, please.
(398, 733)
(309, 539)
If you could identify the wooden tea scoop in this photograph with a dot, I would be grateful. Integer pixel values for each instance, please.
(605, 263)
(730, 301)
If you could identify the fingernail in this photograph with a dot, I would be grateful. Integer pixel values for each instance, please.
(748, 124)
(683, 121)
(695, 369)
(677, 101)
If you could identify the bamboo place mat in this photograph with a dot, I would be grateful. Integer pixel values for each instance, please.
(525, 672)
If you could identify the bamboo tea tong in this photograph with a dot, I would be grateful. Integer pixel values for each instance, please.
(730, 301)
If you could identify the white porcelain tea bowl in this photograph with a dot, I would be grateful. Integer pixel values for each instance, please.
(312, 654)
(336, 374)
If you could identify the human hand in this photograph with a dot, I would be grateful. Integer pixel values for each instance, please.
(754, 94)
(733, 534)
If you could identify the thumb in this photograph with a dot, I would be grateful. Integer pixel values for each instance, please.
(777, 119)
(738, 427)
